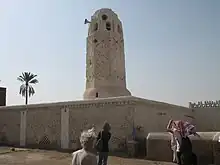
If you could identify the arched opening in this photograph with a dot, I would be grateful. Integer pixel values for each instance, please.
(97, 95)
(104, 17)
(95, 27)
(108, 26)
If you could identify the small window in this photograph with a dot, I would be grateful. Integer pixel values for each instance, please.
(104, 17)
(97, 94)
(119, 29)
(95, 41)
(95, 27)
(108, 26)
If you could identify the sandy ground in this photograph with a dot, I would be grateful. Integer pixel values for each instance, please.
(41, 157)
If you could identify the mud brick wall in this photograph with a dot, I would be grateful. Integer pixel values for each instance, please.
(43, 127)
(120, 118)
(9, 127)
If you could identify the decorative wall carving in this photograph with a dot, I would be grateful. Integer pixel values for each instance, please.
(205, 104)
(44, 127)
(44, 140)
(100, 105)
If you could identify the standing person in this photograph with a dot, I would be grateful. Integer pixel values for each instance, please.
(181, 130)
(174, 147)
(176, 141)
(187, 156)
(104, 136)
(85, 156)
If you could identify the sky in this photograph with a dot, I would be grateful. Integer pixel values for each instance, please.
(172, 48)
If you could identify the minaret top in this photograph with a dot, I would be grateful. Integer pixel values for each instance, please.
(103, 19)
(102, 11)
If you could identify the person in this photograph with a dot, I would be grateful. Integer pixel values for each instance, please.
(175, 141)
(181, 130)
(85, 156)
(105, 136)
(187, 155)
(173, 148)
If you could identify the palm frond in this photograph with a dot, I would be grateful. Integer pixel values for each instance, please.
(20, 78)
(34, 81)
(31, 91)
(26, 77)
(23, 90)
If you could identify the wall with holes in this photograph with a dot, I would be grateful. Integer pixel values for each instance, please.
(43, 127)
(58, 125)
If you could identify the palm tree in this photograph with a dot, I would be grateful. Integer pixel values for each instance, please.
(26, 90)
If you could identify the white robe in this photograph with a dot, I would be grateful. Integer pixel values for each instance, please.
(82, 157)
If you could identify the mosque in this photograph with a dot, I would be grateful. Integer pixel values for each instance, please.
(106, 97)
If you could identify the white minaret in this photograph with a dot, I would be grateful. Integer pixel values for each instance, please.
(105, 58)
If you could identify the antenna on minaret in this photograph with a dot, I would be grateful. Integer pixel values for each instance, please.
(86, 21)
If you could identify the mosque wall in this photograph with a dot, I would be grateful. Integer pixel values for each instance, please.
(9, 126)
(58, 125)
(43, 127)
(207, 114)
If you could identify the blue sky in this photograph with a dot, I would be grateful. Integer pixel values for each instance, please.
(172, 47)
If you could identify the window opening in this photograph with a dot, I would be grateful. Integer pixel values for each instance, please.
(95, 41)
(104, 17)
(108, 26)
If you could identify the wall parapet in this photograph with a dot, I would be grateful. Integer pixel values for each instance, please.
(116, 101)
(98, 103)
(205, 104)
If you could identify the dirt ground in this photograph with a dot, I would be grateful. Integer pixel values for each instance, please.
(42, 157)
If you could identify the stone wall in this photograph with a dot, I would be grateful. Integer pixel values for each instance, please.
(43, 127)
(153, 116)
(207, 115)
(58, 125)
(10, 127)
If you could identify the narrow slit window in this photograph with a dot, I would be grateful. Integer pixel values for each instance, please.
(97, 94)
(95, 27)
(119, 29)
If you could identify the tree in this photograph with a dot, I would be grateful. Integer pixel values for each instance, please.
(26, 89)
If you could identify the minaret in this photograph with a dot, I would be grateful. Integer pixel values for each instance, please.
(105, 57)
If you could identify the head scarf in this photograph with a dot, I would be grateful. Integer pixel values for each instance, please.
(183, 127)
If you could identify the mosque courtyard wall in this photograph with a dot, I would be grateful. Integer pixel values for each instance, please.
(58, 125)
(207, 114)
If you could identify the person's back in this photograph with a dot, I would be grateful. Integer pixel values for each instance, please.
(187, 156)
(186, 145)
(82, 157)
(104, 136)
